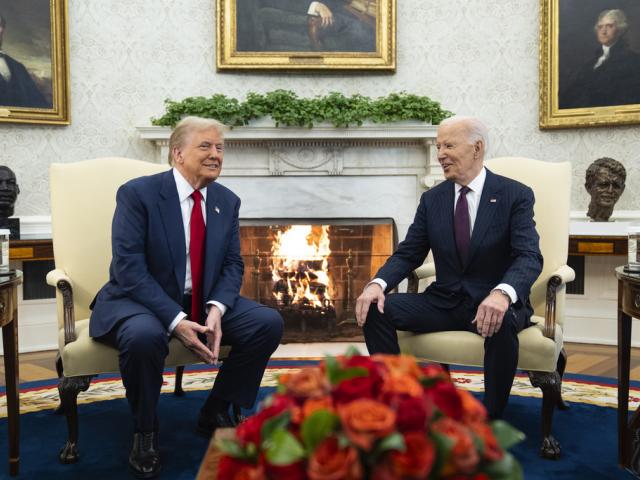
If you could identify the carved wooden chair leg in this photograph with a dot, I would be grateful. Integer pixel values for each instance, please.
(177, 390)
(59, 410)
(562, 363)
(69, 388)
(549, 383)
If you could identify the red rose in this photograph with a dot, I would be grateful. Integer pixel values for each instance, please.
(445, 396)
(329, 462)
(295, 471)
(411, 414)
(353, 389)
(377, 370)
(249, 430)
(230, 468)
(492, 450)
(417, 459)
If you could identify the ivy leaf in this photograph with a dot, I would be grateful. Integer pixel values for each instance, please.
(443, 446)
(395, 441)
(234, 450)
(283, 448)
(506, 435)
(274, 424)
(316, 427)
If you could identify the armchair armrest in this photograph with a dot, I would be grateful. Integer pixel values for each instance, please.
(423, 271)
(59, 279)
(560, 277)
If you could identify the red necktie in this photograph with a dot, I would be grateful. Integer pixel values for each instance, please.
(462, 224)
(196, 255)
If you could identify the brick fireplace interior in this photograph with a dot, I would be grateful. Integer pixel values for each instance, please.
(312, 271)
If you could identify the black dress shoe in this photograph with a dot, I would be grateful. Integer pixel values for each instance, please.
(207, 423)
(144, 459)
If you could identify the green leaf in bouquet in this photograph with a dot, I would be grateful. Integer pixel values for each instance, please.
(337, 374)
(507, 468)
(506, 435)
(343, 440)
(443, 446)
(279, 422)
(283, 448)
(233, 449)
(316, 427)
(395, 441)
(352, 351)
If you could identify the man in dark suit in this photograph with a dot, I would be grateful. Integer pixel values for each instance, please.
(176, 273)
(17, 88)
(480, 228)
(612, 75)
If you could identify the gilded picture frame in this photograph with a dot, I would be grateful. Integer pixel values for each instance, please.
(306, 35)
(580, 84)
(34, 63)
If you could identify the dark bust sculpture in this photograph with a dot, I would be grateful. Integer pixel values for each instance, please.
(9, 191)
(605, 182)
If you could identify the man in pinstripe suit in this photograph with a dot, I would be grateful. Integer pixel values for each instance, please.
(480, 228)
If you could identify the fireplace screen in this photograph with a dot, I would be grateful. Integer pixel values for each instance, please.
(312, 272)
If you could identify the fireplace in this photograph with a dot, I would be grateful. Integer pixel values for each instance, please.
(312, 271)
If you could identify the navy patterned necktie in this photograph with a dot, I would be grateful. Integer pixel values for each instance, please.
(462, 224)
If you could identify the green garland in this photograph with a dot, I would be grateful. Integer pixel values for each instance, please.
(287, 109)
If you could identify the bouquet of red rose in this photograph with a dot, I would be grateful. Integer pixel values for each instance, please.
(381, 417)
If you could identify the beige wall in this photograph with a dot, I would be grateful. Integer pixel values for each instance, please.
(476, 57)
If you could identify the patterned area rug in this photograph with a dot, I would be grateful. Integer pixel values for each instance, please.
(43, 395)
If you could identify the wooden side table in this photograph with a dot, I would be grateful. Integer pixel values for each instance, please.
(628, 432)
(9, 323)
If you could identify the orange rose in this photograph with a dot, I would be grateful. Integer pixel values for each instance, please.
(463, 457)
(402, 384)
(329, 462)
(492, 450)
(400, 365)
(364, 421)
(472, 409)
(307, 383)
(417, 459)
(313, 404)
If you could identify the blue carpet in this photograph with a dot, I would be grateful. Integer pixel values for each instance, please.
(586, 432)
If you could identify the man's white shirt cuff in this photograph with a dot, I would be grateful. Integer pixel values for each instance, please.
(380, 282)
(175, 322)
(221, 306)
(510, 291)
(313, 8)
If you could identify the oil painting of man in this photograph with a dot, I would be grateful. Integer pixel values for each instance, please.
(25, 54)
(306, 25)
(600, 68)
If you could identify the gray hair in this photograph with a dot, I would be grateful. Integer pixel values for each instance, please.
(618, 17)
(187, 126)
(476, 129)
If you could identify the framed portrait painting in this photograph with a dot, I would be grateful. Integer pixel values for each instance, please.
(34, 67)
(306, 35)
(589, 63)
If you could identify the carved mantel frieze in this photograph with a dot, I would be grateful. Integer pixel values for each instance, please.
(261, 149)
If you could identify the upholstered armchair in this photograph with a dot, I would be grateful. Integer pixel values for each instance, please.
(82, 204)
(541, 350)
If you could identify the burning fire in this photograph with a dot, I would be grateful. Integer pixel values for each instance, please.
(300, 266)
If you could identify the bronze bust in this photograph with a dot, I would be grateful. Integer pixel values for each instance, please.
(9, 191)
(605, 182)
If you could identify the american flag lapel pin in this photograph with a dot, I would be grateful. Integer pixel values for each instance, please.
(217, 209)
(493, 200)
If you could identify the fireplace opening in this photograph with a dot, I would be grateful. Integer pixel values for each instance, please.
(313, 270)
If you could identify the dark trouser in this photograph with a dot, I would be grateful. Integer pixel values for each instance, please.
(416, 312)
(253, 331)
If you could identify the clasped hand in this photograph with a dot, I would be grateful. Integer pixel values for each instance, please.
(187, 332)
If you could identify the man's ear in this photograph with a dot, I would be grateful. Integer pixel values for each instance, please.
(176, 155)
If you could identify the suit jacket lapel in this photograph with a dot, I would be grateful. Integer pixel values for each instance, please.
(171, 215)
(213, 239)
(486, 209)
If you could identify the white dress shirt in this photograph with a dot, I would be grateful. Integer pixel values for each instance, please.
(473, 201)
(4, 67)
(186, 205)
